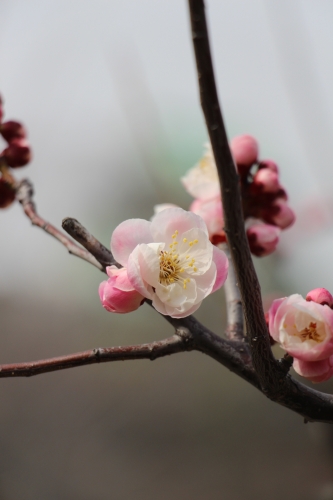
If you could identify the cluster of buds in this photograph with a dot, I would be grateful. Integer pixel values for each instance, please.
(265, 207)
(304, 328)
(16, 154)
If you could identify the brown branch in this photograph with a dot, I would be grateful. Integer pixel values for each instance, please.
(80, 234)
(154, 350)
(24, 195)
(274, 381)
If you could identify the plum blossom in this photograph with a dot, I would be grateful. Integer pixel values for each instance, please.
(170, 260)
(304, 329)
(117, 294)
(202, 181)
(263, 196)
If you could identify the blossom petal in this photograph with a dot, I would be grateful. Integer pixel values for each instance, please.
(165, 223)
(127, 236)
(222, 265)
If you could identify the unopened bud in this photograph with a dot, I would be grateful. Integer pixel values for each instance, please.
(270, 164)
(245, 150)
(266, 181)
(321, 296)
(279, 214)
(263, 238)
(7, 193)
(18, 153)
(12, 130)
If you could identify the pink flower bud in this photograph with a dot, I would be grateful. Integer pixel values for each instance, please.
(7, 194)
(270, 164)
(117, 294)
(12, 130)
(316, 371)
(280, 214)
(304, 329)
(18, 153)
(266, 181)
(263, 238)
(321, 296)
(244, 149)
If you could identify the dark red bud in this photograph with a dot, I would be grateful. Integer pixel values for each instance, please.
(18, 153)
(7, 194)
(12, 130)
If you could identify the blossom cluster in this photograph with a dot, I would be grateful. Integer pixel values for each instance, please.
(264, 200)
(16, 154)
(304, 328)
(168, 260)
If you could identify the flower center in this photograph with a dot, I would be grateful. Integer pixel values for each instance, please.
(311, 333)
(172, 265)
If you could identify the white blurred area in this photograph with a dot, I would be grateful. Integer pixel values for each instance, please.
(107, 90)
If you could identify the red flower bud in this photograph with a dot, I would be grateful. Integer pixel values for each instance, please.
(7, 194)
(12, 130)
(18, 153)
(270, 164)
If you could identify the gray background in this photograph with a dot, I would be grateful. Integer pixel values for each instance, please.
(108, 92)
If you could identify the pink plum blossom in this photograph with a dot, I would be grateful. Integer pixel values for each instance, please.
(244, 149)
(170, 260)
(117, 294)
(263, 238)
(211, 212)
(316, 371)
(304, 329)
(202, 181)
(321, 296)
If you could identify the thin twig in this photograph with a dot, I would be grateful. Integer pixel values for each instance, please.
(151, 351)
(24, 195)
(80, 234)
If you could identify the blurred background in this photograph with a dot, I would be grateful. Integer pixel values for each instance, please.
(108, 92)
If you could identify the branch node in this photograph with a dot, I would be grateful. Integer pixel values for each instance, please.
(97, 353)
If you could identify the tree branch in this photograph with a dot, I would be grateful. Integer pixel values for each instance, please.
(24, 195)
(80, 234)
(274, 381)
(154, 350)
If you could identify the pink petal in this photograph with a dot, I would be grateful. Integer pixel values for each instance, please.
(127, 236)
(222, 264)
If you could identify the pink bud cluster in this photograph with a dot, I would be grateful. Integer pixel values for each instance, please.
(265, 206)
(16, 154)
(304, 328)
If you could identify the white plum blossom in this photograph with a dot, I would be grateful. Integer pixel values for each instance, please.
(202, 181)
(170, 260)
